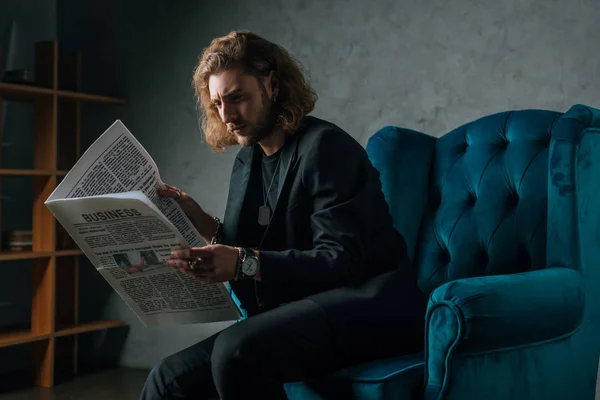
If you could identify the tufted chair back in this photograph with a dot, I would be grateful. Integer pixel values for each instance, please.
(478, 196)
(487, 199)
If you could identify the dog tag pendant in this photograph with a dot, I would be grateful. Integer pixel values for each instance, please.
(264, 215)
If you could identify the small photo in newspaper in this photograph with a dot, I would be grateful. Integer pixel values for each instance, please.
(138, 261)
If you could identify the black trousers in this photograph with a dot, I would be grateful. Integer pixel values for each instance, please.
(253, 358)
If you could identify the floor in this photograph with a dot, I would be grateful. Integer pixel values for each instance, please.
(118, 384)
(111, 384)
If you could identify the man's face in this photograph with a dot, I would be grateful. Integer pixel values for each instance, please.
(244, 105)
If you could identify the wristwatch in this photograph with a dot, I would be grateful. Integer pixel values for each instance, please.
(249, 264)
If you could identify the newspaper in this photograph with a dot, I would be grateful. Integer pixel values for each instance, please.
(108, 203)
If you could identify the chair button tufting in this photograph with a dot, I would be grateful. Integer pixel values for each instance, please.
(513, 200)
(483, 258)
(435, 200)
(545, 140)
(471, 200)
(524, 259)
(444, 257)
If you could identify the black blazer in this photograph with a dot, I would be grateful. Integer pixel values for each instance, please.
(331, 225)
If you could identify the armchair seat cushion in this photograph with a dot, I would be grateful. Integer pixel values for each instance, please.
(393, 378)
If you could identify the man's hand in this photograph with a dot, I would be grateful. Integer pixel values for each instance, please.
(203, 222)
(215, 263)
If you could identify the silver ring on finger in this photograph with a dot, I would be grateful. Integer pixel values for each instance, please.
(178, 194)
(192, 263)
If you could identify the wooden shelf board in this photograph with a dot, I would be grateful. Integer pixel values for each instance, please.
(28, 172)
(21, 337)
(21, 92)
(70, 252)
(77, 96)
(7, 255)
(26, 336)
(87, 327)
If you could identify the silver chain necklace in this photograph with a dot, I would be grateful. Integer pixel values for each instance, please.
(264, 211)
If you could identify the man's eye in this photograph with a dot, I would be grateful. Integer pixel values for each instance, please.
(237, 99)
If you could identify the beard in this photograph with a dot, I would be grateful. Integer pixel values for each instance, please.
(252, 134)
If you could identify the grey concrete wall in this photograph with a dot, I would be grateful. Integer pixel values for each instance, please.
(426, 65)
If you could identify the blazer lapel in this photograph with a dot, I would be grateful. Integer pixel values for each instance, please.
(288, 157)
(240, 176)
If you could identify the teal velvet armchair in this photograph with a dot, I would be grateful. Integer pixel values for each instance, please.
(502, 220)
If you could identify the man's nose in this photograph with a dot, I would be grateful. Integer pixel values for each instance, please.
(229, 113)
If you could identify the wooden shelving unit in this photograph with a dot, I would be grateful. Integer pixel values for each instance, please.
(55, 322)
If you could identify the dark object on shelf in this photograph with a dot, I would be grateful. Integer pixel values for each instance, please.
(17, 240)
(23, 76)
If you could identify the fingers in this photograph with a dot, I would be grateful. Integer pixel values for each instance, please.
(183, 253)
(170, 191)
(194, 252)
(201, 265)
(204, 269)
(169, 188)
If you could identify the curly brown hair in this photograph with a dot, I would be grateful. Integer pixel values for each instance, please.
(258, 57)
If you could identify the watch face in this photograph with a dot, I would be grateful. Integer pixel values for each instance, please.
(250, 266)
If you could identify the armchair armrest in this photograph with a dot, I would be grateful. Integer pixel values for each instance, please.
(499, 312)
(489, 314)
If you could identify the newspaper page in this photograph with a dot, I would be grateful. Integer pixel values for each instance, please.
(109, 206)
(115, 163)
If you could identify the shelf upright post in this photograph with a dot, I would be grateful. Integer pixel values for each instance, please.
(44, 269)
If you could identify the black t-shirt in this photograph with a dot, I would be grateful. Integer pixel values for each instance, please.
(270, 181)
(251, 232)
(265, 167)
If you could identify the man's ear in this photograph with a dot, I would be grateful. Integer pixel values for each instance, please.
(273, 84)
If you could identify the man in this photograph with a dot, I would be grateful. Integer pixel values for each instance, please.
(307, 241)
